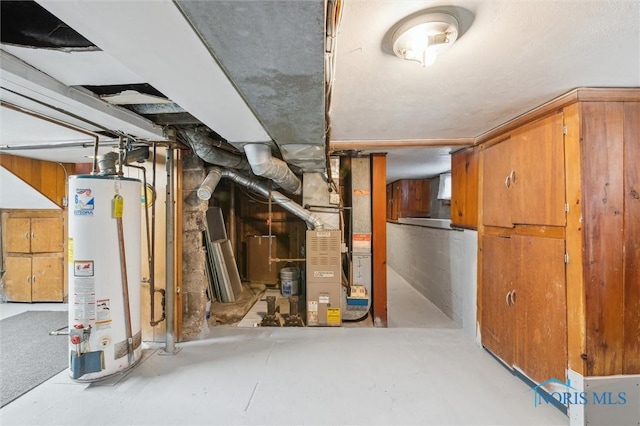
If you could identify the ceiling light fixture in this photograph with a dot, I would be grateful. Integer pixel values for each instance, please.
(425, 37)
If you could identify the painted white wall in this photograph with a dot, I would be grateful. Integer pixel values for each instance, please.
(15, 194)
(441, 264)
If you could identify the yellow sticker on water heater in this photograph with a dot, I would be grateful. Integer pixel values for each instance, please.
(118, 206)
(70, 250)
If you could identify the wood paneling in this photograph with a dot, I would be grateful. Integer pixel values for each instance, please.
(576, 328)
(631, 363)
(379, 238)
(464, 188)
(46, 177)
(603, 187)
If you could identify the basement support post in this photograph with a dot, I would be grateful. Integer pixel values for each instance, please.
(170, 345)
(379, 238)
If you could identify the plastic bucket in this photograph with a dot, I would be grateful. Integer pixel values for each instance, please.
(289, 281)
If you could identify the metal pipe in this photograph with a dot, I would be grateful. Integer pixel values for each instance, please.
(146, 214)
(152, 272)
(270, 218)
(170, 346)
(265, 165)
(61, 124)
(55, 145)
(208, 149)
(232, 217)
(313, 221)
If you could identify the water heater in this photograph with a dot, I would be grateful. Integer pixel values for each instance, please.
(104, 275)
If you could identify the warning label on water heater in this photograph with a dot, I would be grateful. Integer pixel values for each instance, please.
(103, 314)
(83, 268)
(323, 274)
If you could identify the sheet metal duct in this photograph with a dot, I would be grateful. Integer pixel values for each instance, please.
(211, 151)
(209, 184)
(265, 165)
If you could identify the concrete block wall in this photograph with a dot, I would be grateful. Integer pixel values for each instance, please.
(441, 264)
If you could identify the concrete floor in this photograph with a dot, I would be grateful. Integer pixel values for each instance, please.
(422, 370)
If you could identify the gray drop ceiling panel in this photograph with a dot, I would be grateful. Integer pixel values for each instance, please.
(273, 51)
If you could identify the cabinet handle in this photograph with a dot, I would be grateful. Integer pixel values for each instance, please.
(507, 181)
(513, 297)
(26, 235)
(33, 235)
(512, 176)
(33, 279)
(29, 280)
(508, 299)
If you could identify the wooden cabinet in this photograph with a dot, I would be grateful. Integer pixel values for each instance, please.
(464, 188)
(498, 280)
(34, 278)
(409, 198)
(560, 184)
(34, 256)
(524, 304)
(34, 235)
(523, 180)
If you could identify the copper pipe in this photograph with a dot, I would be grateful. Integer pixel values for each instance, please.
(125, 290)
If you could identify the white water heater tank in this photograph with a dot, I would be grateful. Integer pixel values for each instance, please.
(104, 275)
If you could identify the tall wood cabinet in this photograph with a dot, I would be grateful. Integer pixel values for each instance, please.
(558, 227)
(464, 188)
(33, 256)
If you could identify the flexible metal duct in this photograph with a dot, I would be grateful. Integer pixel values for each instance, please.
(209, 150)
(265, 165)
(209, 184)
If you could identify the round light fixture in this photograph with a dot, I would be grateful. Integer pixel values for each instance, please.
(425, 37)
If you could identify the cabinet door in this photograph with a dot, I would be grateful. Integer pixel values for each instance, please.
(464, 188)
(540, 301)
(496, 193)
(46, 282)
(498, 314)
(18, 235)
(17, 279)
(46, 235)
(537, 181)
